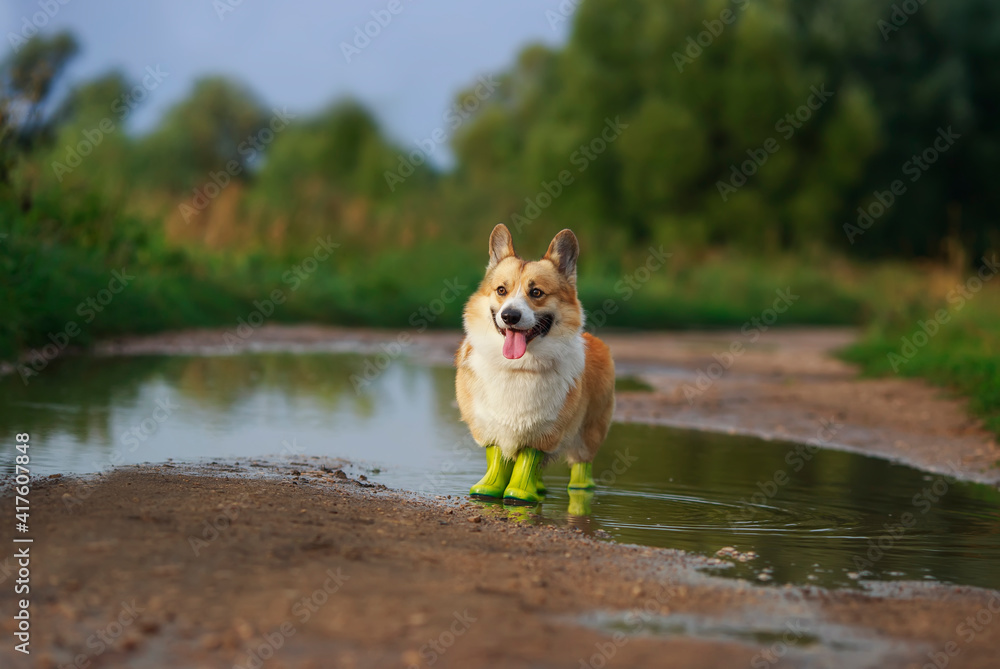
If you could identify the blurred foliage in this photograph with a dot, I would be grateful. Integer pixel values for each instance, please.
(740, 136)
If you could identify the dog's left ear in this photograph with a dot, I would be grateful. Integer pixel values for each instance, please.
(563, 252)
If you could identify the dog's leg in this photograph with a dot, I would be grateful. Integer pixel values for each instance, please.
(498, 471)
(523, 487)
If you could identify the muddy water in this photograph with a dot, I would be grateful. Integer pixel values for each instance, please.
(791, 514)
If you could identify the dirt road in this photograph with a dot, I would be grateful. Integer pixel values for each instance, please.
(165, 566)
(158, 567)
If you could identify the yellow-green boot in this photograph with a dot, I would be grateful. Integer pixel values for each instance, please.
(523, 486)
(581, 476)
(498, 470)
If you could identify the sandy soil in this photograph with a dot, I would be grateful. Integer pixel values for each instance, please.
(161, 567)
(169, 567)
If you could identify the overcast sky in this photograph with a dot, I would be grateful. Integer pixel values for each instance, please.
(290, 52)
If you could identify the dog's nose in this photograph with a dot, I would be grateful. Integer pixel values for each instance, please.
(510, 316)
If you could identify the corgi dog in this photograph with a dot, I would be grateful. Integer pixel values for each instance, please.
(531, 385)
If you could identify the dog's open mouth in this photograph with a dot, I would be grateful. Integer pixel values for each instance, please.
(515, 342)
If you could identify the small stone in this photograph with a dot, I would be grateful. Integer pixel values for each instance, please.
(476, 519)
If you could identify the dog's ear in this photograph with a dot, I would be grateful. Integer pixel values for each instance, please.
(501, 245)
(563, 252)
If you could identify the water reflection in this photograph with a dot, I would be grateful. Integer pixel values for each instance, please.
(829, 519)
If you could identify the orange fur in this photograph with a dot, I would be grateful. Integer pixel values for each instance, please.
(573, 424)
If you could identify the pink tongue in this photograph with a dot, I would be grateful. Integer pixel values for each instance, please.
(514, 344)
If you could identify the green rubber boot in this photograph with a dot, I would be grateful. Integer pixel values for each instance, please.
(579, 502)
(581, 476)
(523, 487)
(497, 474)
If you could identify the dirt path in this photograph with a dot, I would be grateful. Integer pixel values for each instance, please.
(159, 567)
(785, 385)
(167, 567)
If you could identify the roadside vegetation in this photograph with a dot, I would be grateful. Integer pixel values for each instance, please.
(807, 148)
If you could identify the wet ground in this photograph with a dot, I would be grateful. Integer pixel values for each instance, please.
(166, 566)
(808, 552)
(778, 512)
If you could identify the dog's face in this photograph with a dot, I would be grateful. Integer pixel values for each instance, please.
(523, 309)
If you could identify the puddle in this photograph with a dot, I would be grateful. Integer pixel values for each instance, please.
(824, 518)
(804, 641)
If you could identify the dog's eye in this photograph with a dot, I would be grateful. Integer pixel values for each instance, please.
(536, 293)
(501, 291)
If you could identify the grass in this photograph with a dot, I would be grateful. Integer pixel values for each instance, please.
(59, 255)
(962, 354)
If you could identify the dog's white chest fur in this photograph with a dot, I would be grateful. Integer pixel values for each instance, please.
(516, 401)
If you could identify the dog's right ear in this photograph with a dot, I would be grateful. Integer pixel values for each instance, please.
(501, 245)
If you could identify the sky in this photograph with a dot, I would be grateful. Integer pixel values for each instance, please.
(291, 53)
